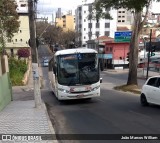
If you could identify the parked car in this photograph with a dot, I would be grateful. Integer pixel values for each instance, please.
(151, 91)
(45, 62)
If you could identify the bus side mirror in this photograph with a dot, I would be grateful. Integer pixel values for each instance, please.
(101, 80)
(54, 69)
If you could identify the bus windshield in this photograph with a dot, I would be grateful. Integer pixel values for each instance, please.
(78, 69)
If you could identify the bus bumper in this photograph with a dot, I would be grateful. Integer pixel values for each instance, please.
(69, 96)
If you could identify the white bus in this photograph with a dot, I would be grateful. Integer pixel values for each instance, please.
(75, 74)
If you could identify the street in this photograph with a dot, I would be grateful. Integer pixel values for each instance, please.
(114, 112)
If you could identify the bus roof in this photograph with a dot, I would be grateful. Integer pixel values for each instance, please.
(73, 51)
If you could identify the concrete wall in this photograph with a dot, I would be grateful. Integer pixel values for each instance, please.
(5, 84)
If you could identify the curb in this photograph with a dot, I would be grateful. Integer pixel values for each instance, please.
(134, 90)
(49, 122)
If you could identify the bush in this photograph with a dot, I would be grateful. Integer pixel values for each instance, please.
(17, 69)
(23, 53)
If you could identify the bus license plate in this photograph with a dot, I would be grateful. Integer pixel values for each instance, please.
(80, 95)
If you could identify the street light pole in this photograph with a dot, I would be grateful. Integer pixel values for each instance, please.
(144, 49)
(149, 50)
(37, 93)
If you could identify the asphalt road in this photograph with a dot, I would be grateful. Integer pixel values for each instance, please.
(113, 112)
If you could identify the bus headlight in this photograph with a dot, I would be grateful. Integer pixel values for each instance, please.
(63, 90)
(95, 88)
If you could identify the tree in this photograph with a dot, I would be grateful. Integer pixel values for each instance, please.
(55, 34)
(136, 8)
(9, 23)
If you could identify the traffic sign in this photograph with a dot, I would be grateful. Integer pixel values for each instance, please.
(123, 36)
(152, 54)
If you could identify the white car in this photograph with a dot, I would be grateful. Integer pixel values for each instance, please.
(151, 91)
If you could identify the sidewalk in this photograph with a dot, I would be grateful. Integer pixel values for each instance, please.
(141, 74)
(21, 116)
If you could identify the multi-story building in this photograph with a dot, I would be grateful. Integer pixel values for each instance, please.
(59, 13)
(89, 29)
(124, 18)
(67, 22)
(20, 39)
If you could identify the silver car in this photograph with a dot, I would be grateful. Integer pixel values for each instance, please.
(45, 62)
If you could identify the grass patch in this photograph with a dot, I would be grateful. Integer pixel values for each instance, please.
(129, 88)
(17, 69)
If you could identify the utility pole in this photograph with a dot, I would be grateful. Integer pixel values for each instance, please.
(37, 92)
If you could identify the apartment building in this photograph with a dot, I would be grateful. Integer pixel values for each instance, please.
(124, 18)
(20, 39)
(67, 22)
(89, 29)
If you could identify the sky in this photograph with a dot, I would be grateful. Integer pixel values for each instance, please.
(46, 8)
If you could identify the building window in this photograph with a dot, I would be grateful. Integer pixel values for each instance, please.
(90, 34)
(20, 31)
(119, 20)
(21, 40)
(90, 17)
(84, 11)
(97, 33)
(9, 40)
(106, 48)
(106, 33)
(107, 25)
(80, 16)
(97, 25)
(90, 8)
(111, 49)
(123, 11)
(119, 11)
(15, 40)
(123, 20)
(84, 20)
(84, 37)
(89, 25)
(123, 16)
(80, 8)
(84, 29)
(119, 16)
(23, 5)
(64, 25)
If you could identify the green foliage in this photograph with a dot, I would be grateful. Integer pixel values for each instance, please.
(8, 17)
(9, 23)
(132, 5)
(17, 69)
